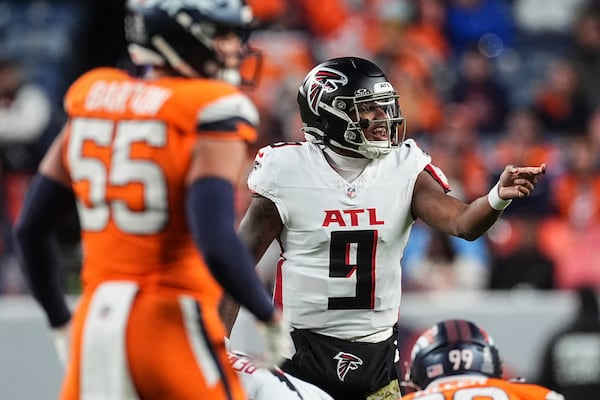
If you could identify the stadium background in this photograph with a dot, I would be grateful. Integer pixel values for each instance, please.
(482, 83)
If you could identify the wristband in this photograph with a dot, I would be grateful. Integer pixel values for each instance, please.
(494, 199)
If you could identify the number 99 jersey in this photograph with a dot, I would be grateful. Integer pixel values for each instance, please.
(472, 387)
(339, 273)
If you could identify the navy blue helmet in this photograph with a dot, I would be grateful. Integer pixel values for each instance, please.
(452, 347)
(180, 34)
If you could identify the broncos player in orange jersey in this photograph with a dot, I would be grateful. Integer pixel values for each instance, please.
(151, 161)
(456, 359)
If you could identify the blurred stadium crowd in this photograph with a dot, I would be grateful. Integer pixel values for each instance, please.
(483, 83)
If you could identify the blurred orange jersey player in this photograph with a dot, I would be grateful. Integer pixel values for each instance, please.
(481, 387)
(456, 359)
(151, 162)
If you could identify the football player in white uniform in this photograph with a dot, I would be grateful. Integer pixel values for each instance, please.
(341, 206)
(263, 383)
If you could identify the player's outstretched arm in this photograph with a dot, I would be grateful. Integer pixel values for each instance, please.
(445, 213)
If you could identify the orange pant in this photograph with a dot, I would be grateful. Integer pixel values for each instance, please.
(160, 351)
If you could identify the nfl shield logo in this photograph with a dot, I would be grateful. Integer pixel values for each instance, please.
(351, 192)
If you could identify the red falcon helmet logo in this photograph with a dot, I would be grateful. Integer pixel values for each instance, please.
(346, 363)
(322, 80)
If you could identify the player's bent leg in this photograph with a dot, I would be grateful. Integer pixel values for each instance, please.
(174, 350)
(99, 367)
(70, 386)
(177, 351)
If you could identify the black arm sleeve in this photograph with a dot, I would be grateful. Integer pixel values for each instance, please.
(45, 206)
(211, 218)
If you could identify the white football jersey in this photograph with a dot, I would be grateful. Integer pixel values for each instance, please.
(339, 272)
(265, 384)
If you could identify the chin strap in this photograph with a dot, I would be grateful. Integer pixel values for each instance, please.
(372, 152)
(375, 153)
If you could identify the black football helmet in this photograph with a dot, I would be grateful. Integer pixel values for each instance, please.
(331, 96)
(452, 347)
(180, 34)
